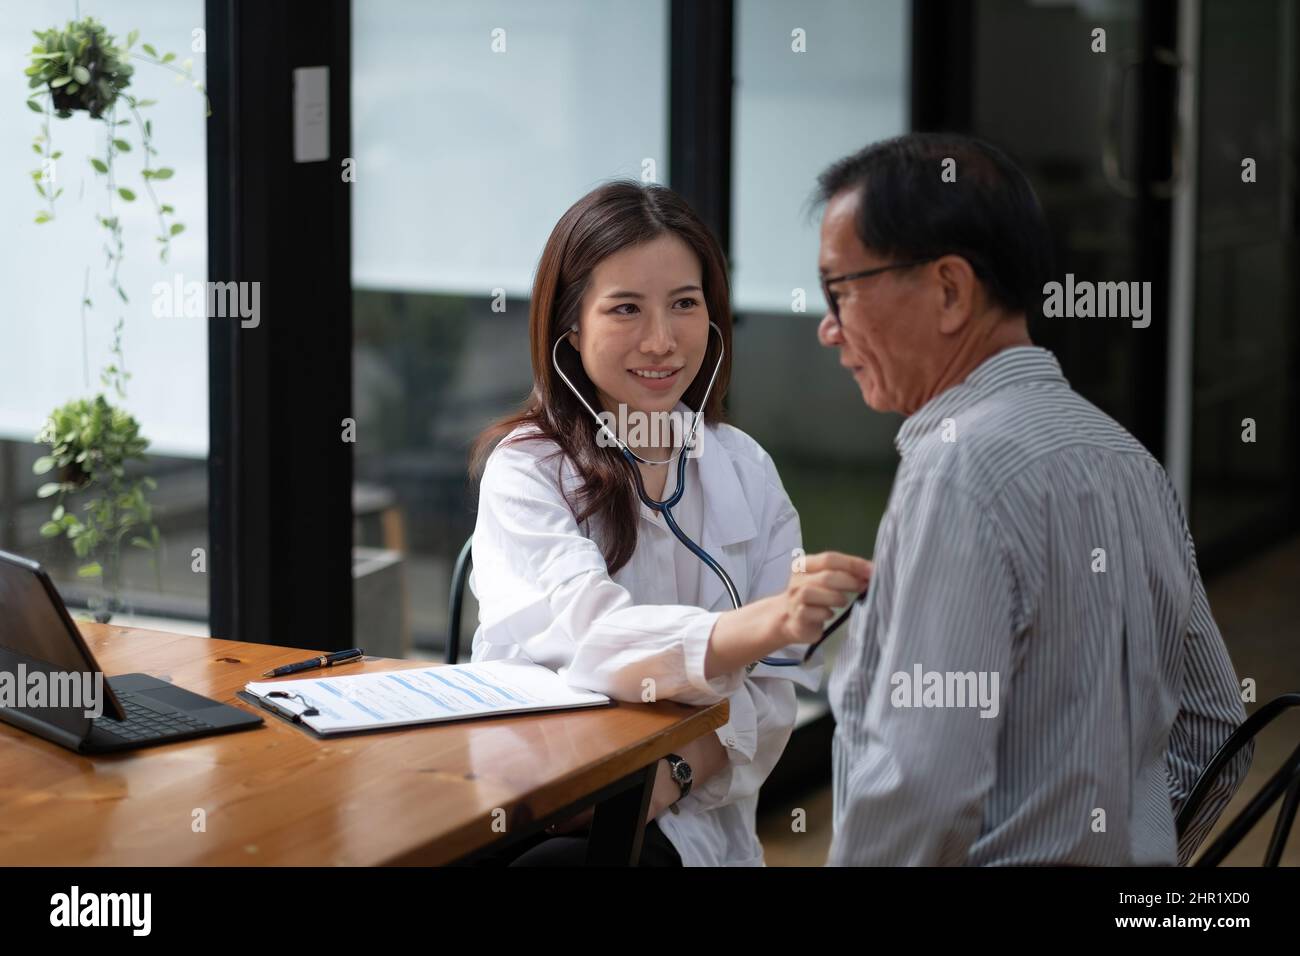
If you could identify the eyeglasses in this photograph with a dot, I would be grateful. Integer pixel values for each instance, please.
(827, 282)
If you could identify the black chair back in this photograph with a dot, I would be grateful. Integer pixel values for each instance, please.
(459, 578)
(1285, 782)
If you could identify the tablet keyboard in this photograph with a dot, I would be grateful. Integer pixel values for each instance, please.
(144, 723)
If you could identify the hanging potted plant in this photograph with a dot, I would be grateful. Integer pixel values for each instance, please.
(90, 444)
(91, 441)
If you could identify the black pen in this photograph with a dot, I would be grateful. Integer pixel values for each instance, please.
(329, 660)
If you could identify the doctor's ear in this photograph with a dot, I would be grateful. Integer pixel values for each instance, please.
(572, 336)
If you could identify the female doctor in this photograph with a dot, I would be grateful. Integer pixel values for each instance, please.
(572, 571)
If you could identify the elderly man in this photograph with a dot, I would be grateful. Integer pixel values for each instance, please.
(1035, 676)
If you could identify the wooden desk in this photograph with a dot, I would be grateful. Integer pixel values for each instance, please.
(276, 795)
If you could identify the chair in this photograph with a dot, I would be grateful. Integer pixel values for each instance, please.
(1285, 781)
(459, 575)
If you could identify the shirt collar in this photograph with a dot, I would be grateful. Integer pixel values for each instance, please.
(1006, 369)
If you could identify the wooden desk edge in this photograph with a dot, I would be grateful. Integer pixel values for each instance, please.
(456, 844)
(475, 834)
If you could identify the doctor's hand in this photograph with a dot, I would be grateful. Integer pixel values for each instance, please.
(829, 580)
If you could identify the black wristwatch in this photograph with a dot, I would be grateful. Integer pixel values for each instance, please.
(682, 775)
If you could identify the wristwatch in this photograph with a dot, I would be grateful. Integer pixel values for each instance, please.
(682, 775)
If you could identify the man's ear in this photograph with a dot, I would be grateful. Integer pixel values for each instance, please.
(958, 286)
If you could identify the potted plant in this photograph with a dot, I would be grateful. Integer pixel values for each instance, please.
(81, 68)
(91, 442)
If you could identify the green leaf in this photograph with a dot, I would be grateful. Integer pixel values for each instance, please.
(131, 38)
(48, 489)
(122, 146)
(177, 228)
(143, 103)
(50, 529)
(60, 81)
(163, 173)
(42, 217)
(43, 464)
(149, 49)
(168, 57)
(140, 542)
(58, 513)
(126, 194)
(81, 74)
(99, 164)
(34, 106)
(92, 570)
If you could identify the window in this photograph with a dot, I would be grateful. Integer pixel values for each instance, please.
(463, 167)
(53, 350)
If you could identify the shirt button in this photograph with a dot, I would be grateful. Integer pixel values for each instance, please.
(731, 741)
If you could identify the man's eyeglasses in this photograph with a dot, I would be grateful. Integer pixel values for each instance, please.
(828, 281)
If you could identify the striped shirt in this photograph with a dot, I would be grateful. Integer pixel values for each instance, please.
(1035, 676)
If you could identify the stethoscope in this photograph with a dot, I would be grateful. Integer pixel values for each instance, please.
(665, 507)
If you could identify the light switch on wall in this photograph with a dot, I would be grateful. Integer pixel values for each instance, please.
(311, 114)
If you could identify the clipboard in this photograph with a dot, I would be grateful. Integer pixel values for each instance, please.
(404, 699)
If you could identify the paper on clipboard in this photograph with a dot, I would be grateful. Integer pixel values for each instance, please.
(420, 695)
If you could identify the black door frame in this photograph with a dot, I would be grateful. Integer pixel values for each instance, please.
(280, 473)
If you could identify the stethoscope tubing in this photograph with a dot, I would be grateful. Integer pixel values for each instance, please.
(665, 506)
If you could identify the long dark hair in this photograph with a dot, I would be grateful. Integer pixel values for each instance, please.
(609, 218)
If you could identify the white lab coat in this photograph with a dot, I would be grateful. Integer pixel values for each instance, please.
(544, 592)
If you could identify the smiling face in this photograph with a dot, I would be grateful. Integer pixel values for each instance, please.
(644, 325)
(887, 335)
